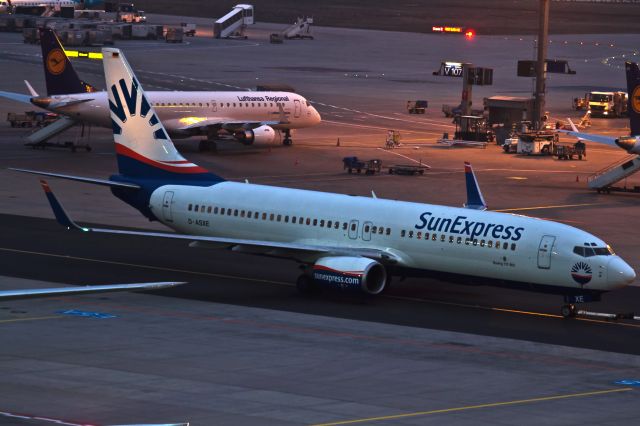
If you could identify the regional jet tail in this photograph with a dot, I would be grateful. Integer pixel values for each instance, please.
(92, 289)
(630, 143)
(342, 242)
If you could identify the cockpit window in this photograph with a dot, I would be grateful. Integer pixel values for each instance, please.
(592, 251)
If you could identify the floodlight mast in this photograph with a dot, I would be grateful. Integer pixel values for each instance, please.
(541, 65)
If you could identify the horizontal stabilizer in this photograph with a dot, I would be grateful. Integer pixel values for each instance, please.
(608, 140)
(67, 291)
(18, 97)
(103, 182)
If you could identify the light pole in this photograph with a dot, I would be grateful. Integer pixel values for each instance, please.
(541, 65)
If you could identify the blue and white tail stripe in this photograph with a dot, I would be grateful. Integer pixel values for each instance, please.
(143, 147)
(475, 200)
(633, 87)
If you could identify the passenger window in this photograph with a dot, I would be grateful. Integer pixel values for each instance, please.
(475, 242)
(419, 235)
(235, 212)
(222, 210)
(481, 243)
(489, 243)
(467, 241)
(443, 238)
(286, 219)
(234, 104)
(279, 218)
(353, 226)
(381, 230)
(196, 209)
(426, 236)
(403, 233)
(215, 210)
(451, 239)
(229, 212)
(315, 222)
(513, 246)
(366, 228)
(308, 221)
(264, 216)
(271, 216)
(293, 219)
(209, 209)
(322, 222)
(329, 224)
(242, 213)
(190, 207)
(497, 244)
(344, 226)
(459, 240)
(388, 231)
(505, 246)
(336, 225)
(434, 237)
(410, 234)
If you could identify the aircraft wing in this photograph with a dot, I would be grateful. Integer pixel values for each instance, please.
(218, 123)
(608, 140)
(73, 290)
(291, 250)
(18, 97)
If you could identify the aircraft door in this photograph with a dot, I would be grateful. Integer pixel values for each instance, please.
(297, 108)
(214, 106)
(366, 231)
(167, 200)
(544, 251)
(353, 229)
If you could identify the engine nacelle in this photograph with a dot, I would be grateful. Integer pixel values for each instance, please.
(350, 273)
(263, 135)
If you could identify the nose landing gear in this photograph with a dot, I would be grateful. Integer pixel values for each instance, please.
(287, 141)
(568, 310)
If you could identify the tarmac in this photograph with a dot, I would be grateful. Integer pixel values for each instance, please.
(237, 345)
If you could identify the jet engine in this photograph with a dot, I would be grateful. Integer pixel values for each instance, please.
(350, 273)
(263, 135)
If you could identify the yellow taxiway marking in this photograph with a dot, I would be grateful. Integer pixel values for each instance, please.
(157, 268)
(559, 206)
(30, 319)
(475, 407)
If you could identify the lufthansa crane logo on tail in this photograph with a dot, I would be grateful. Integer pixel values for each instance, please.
(581, 273)
(56, 61)
(133, 110)
(635, 99)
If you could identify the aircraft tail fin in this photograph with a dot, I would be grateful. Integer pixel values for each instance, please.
(475, 200)
(144, 149)
(633, 88)
(60, 77)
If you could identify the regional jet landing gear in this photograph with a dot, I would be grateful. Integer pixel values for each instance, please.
(287, 141)
(568, 310)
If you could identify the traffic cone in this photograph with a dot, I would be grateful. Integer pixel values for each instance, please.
(338, 143)
(577, 178)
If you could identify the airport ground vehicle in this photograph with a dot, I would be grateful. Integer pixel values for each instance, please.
(580, 104)
(417, 107)
(189, 30)
(370, 167)
(608, 104)
(536, 143)
(127, 12)
(393, 139)
(407, 169)
(174, 35)
(31, 119)
(565, 151)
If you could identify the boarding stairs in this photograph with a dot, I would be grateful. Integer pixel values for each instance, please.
(41, 138)
(233, 24)
(603, 180)
(300, 29)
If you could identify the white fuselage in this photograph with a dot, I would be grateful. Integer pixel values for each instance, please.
(425, 237)
(185, 110)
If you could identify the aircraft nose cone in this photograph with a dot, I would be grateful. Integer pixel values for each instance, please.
(619, 273)
(316, 116)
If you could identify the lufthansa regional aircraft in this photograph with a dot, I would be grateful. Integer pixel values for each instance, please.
(346, 242)
(250, 117)
(631, 143)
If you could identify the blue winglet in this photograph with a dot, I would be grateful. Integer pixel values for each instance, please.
(475, 200)
(61, 215)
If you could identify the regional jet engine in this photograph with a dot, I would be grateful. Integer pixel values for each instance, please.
(263, 135)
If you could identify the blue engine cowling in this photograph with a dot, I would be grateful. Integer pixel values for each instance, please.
(350, 273)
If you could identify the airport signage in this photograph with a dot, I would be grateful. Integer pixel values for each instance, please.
(452, 69)
(443, 29)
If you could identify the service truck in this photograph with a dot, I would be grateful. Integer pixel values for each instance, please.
(608, 104)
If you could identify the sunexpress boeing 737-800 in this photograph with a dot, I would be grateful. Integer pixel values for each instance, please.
(252, 118)
(349, 242)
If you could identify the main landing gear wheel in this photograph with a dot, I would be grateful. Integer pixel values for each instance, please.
(305, 285)
(568, 311)
(207, 145)
(287, 141)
